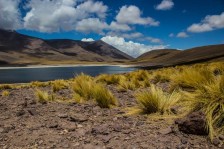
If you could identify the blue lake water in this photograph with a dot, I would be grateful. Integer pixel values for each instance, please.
(24, 75)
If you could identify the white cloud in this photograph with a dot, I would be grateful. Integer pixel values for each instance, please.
(10, 17)
(165, 5)
(132, 48)
(87, 39)
(91, 25)
(182, 35)
(132, 15)
(119, 27)
(135, 36)
(209, 23)
(56, 15)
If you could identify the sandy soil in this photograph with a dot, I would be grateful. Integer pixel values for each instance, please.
(24, 123)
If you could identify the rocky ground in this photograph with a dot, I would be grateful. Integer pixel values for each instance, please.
(24, 123)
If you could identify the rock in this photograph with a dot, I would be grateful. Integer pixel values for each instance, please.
(32, 112)
(117, 127)
(103, 129)
(77, 118)
(221, 137)
(62, 115)
(216, 141)
(20, 113)
(53, 125)
(194, 123)
(183, 141)
(104, 138)
(166, 131)
(1, 130)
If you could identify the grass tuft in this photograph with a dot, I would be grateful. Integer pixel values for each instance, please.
(156, 101)
(5, 93)
(6, 86)
(86, 89)
(44, 97)
(59, 85)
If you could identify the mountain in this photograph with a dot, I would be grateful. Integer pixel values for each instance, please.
(18, 49)
(172, 57)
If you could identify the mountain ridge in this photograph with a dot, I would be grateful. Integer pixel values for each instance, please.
(19, 49)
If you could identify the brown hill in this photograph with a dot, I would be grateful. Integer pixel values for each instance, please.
(18, 49)
(171, 57)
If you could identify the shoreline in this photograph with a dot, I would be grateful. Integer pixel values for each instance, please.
(57, 66)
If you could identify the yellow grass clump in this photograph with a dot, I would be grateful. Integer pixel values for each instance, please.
(5, 86)
(39, 84)
(44, 97)
(58, 85)
(210, 99)
(5, 93)
(155, 100)
(85, 89)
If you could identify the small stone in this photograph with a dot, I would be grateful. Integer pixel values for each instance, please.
(221, 137)
(77, 118)
(166, 131)
(61, 115)
(1, 130)
(117, 128)
(79, 126)
(20, 113)
(54, 125)
(216, 142)
(40, 142)
(183, 141)
(32, 112)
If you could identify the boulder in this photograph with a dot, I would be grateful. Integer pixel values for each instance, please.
(193, 123)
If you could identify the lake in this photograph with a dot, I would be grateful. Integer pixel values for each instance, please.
(25, 75)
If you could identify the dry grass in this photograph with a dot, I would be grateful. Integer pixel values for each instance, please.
(58, 85)
(191, 77)
(43, 96)
(39, 84)
(5, 93)
(156, 101)
(86, 89)
(210, 99)
(6, 86)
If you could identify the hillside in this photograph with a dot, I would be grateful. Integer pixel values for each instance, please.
(170, 57)
(18, 49)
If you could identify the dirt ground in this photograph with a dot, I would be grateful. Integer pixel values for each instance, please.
(24, 123)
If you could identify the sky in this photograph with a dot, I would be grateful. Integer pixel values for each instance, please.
(132, 26)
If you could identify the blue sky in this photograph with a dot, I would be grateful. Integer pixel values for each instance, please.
(133, 26)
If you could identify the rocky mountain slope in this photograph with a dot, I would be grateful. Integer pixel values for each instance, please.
(18, 49)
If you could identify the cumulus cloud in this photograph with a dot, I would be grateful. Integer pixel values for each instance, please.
(10, 17)
(87, 39)
(91, 25)
(165, 5)
(135, 36)
(61, 14)
(209, 23)
(119, 27)
(132, 15)
(132, 48)
(182, 35)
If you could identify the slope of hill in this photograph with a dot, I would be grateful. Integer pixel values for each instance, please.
(171, 57)
(18, 49)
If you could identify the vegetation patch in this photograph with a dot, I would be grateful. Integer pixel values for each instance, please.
(5, 93)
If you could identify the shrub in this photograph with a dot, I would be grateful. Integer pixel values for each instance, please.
(5, 93)
(86, 89)
(5, 86)
(44, 97)
(108, 79)
(156, 101)
(210, 99)
(39, 84)
(190, 77)
(103, 97)
(58, 85)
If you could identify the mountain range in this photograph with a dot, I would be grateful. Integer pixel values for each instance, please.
(22, 50)
(18, 50)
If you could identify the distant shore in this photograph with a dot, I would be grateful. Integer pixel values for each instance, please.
(72, 65)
